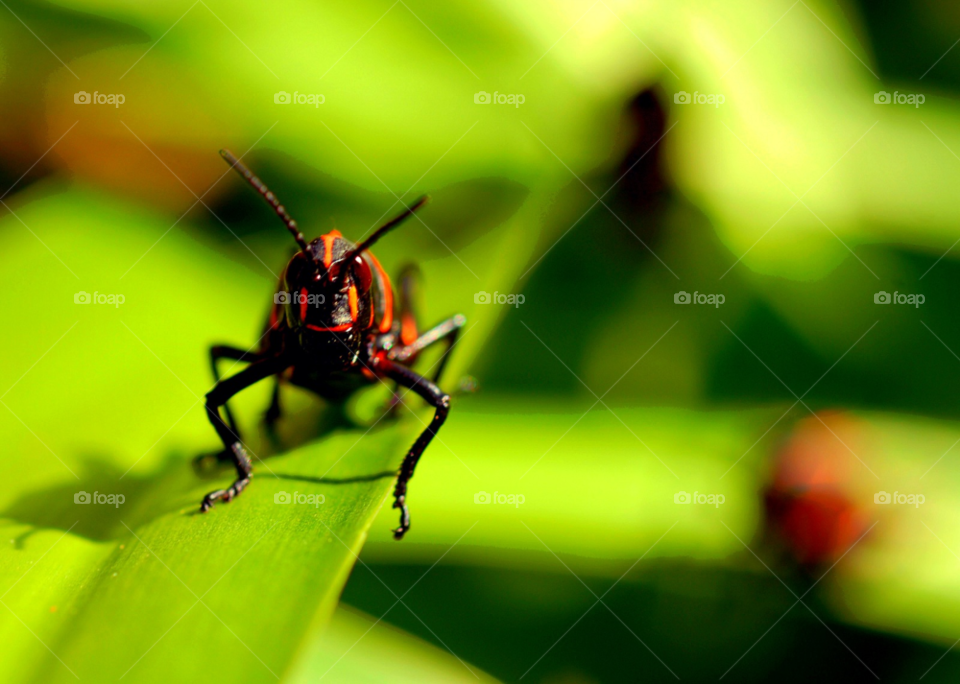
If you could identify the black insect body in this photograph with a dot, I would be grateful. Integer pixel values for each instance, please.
(331, 330)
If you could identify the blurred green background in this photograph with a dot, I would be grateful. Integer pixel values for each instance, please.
(601, 402)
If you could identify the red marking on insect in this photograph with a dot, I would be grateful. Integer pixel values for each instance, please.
(387, 321)
(408, 329)
(303, 304)
(336, 328)
(352, 296)
(328, 246)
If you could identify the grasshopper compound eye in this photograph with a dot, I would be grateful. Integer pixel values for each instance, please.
(332, 329)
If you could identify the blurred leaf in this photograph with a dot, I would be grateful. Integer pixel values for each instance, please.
(593, 487)
(904, 579)
(356, 649)
(697, 618)
(401, 98)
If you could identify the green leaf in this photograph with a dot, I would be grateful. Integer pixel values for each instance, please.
(356, 649)
(594, 488)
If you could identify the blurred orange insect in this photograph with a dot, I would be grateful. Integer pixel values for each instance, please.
(814, 503)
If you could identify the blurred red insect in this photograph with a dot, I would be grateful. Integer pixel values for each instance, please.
(813, 504)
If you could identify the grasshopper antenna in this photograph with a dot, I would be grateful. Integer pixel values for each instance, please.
(386, 228)
(379, 233)
(269, 197)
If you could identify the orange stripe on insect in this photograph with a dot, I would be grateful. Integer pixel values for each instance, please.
(408, 329)
(328, 239)
(337, 328)
(352, 297)
(387, 321)
(303, 304)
